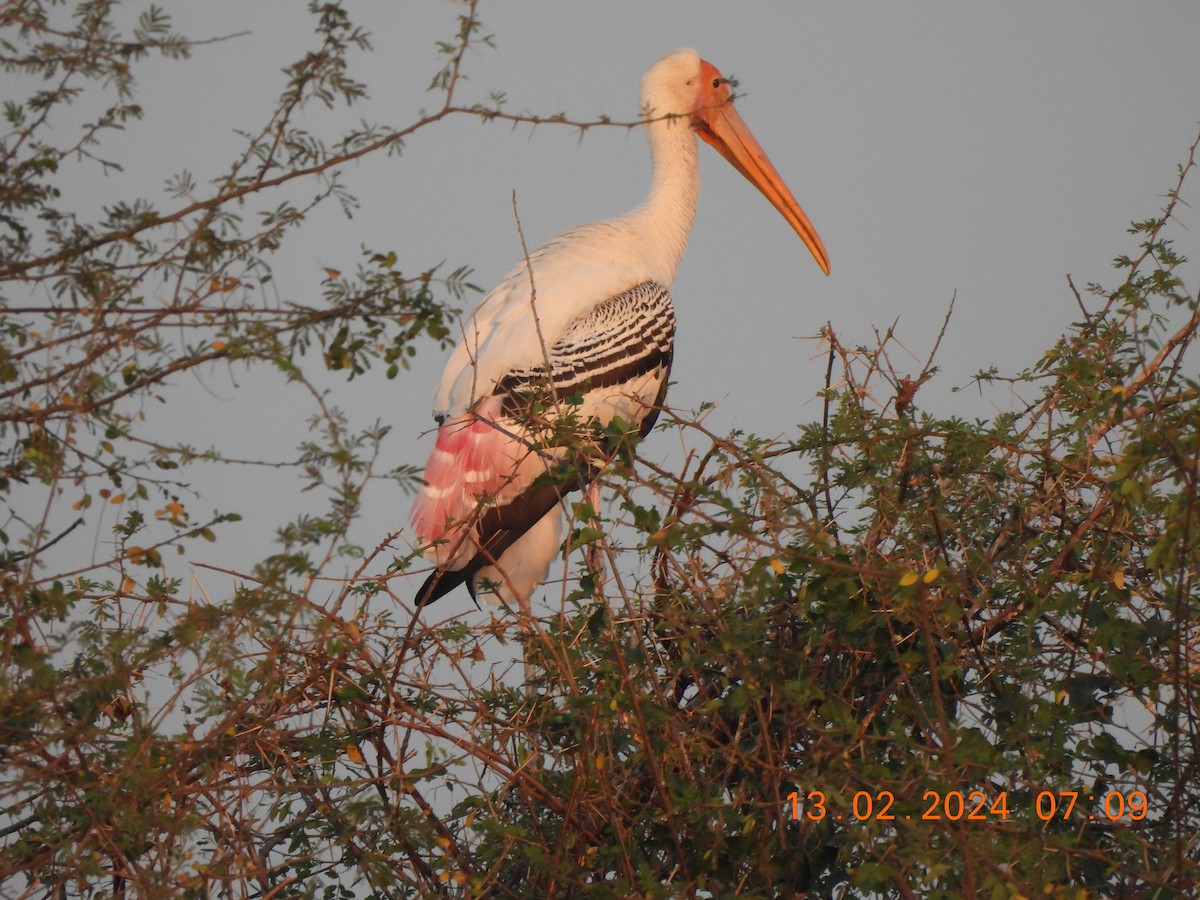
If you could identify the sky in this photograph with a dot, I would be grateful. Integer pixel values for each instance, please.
(942, 149)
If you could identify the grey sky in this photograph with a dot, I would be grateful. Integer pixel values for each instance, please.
(988, 149)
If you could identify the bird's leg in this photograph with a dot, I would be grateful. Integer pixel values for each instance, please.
(593, 554)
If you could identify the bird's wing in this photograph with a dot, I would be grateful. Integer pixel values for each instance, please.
(603, 359)
(534, 305)
(499, 467)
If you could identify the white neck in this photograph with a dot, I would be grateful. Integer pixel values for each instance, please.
(664, 220)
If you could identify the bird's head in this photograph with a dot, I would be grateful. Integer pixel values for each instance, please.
(682, 85)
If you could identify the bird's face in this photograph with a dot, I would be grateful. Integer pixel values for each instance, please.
(718, 123)
(712, 89)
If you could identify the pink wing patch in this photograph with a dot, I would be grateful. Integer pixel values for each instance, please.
(475, 463)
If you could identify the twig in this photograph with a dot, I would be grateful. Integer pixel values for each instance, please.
(9, 561)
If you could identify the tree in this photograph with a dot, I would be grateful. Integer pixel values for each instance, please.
(953, 659)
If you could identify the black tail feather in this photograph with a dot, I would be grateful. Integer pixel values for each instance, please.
(439, 583)
(503, 526)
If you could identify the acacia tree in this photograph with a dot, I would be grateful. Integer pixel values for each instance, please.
(953, 659)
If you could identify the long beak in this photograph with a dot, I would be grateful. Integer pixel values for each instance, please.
(724, 129)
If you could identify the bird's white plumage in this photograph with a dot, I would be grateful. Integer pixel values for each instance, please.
(531, 309)
(588, 264)
(582, 328)
(524, 564)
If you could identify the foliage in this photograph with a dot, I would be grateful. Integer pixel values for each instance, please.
(975, 642)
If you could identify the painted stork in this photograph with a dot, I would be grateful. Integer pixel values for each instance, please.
(581, 332)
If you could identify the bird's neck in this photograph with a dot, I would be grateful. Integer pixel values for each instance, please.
(664, 221)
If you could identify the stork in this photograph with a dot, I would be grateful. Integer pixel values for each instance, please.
(577, 338)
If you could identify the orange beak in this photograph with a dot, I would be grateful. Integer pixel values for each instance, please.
(719, 124)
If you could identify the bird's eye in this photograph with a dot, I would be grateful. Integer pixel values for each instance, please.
(717, 82)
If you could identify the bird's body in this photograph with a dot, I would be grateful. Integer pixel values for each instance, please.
(580, 332)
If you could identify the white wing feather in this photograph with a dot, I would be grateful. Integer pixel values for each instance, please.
(572, 274)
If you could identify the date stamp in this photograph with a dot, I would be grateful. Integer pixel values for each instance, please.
(973, 806)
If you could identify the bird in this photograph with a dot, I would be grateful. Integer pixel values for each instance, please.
(573, 345)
